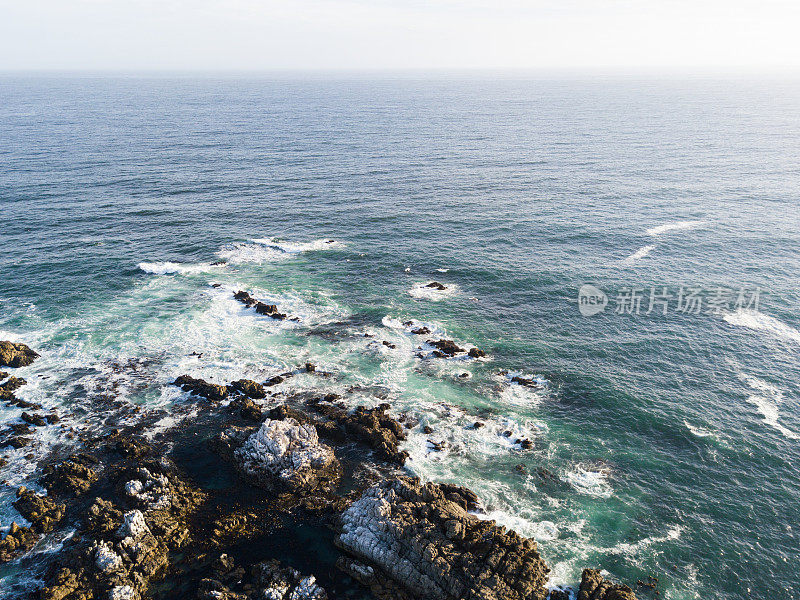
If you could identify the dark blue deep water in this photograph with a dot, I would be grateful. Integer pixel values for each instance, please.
(674, 438)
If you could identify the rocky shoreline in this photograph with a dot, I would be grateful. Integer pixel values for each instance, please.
(220, 507)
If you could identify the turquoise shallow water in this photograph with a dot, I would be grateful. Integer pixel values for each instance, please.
(672, 439)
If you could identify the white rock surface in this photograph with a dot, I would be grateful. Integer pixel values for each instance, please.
(286, 451)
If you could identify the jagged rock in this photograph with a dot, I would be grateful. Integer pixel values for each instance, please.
(596, 587)
(476, 353)
(248, 409)
(16, 355)
(447, 348)
(43, 512)
(421, 331)
(557, 594)
(34, 419)
(436, 286)
(372, 426)
(287, 454)
(200, 387)
(151, 491)
(278, 582)
(211, 589)
(17, 541)
(64, 583)
(73, 476)
(429, 545)
(123, 592)
(3, 375)
(261, 308)
(12, 384)
(274, 380)
(249, 388)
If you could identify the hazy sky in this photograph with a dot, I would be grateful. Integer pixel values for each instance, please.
(396, 34)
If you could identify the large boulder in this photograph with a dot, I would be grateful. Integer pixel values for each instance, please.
(422, 540)
(16, 355)
(287, 454)
(596, 587)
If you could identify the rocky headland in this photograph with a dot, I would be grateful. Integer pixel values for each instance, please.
(261, 495)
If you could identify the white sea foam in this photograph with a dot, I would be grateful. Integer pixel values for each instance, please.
(423, 292)
(590, 481)
(443, 270)
(262, 250)
(640, 253)
(758, 321)
(698, 431)
(767, 401)
(676, 226)
(172, 268)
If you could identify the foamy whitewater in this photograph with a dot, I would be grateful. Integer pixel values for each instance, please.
(642, 444)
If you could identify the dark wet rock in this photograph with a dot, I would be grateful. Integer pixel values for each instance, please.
(12, 384)
(260, 307)
(248, 409)
(3, 375)
(274, 380)
(436, 446)
(43, 512)
(559, 594)
(371, 426)
(200, 387)
(476, 353)
(17, 541)
(520, 468)
(525, 443)
(436, 286)
(71, 477)
(285, 455)
(427, 430)
(310, 367)
(131, 447)
(525, 381)
(447, 348)
(419, 539)
(249, 388)
(389, 344)
(53, 418)
(596, 587)
(211, 589)
(16, 355)
(34, 419)
(421, 331)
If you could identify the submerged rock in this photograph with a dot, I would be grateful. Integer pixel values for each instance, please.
(16, 355)
(287, 454)
(596, 587)
(421, 539)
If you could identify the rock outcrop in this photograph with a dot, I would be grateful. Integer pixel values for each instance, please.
(249, 388)
(261, 308)
(43, 512)
(420, 539)
(372, 426)
(16, 355)
(596, 587)
(287, 455)
(201, 387)
(71, 477)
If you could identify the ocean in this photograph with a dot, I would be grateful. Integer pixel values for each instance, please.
(665, 428)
